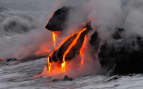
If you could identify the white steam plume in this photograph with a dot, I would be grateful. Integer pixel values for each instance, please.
(106, 15)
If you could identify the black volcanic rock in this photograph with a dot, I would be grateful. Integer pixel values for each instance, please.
(94, 41)
(58, 20)
(11, 59)
(122, 55)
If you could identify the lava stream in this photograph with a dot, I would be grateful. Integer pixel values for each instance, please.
(82, 50)
(69, 48)
(54, 39)
(57, 67)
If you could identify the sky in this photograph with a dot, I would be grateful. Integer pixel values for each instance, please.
(27, 4)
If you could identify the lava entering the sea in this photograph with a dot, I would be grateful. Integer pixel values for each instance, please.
(58, 61)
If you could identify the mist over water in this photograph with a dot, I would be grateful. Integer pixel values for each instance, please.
(21, 27)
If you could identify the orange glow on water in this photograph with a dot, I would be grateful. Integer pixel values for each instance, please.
(1, 59)
(44, 49)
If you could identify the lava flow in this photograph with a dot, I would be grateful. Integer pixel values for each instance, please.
(54, 38)
(69, 48)
(82, 50)
(58, 67)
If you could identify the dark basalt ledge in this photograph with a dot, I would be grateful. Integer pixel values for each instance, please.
(122, 56)
(58, 21)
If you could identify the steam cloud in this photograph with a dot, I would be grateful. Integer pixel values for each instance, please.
(107, 15)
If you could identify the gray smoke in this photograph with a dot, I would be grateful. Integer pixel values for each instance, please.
(134, 17)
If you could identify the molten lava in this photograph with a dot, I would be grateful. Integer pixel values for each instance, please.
(69, 48)
(82, 50)
(62, 66)
(54, 39)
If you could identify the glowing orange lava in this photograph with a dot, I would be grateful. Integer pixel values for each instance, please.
(54, 39)
(56, 67)
(82, 50)
(49, 65)
(63, 66)
(69, 48)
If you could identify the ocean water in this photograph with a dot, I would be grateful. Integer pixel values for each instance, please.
(20, 76)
